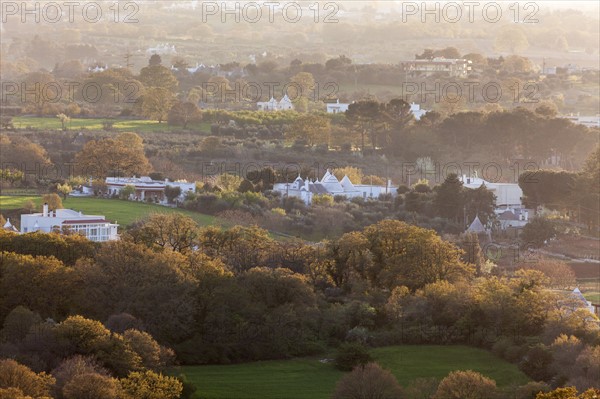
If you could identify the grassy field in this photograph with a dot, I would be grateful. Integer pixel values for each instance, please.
(590, 288)
(124, 212)
(139, 126)
(593, 297)
(307, 378)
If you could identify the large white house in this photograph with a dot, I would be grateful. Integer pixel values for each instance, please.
(145, 187)
(94, 227)
(508, 195)
(330, 185)
(509, 206)
(284, 104)
(337, 107)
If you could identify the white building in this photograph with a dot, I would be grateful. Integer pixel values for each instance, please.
(94, 227)
(450, 67)
(589, 121)
(516, 218)
(330, 185)
(577, 295)
(508, 195)
(9, 227)
(162, 49)
(145, 187)
(284, 104)
(478, 228)
(337, 107)
(416, 110)
(97, 68)
(509, 206)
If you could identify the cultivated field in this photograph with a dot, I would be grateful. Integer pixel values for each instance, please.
(138, 125)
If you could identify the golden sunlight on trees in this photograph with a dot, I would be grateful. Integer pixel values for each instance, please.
(122, 155)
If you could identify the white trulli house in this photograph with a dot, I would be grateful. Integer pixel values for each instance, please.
(285, 104)
(330, 185)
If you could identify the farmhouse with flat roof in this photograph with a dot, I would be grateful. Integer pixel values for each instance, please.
(93, 227)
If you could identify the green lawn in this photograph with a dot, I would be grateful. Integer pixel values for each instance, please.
(590, 287)
(307, 378)
(593, 297)
(139, 126)
(124, 212)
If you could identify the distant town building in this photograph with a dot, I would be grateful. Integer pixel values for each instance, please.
(162, 49)
(450, 67)
(194, 69)
(284, 104)
(97, 68)
(416, 110)
(589, 121)
(93, 227)
(146, 188)
(330, 185)
(337, 107)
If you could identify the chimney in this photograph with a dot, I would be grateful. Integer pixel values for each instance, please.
(45, 210)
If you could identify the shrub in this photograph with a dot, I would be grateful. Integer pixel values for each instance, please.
(466, 385)
(323, 200)
(368, 381)
(514, 353)
(537, 362)
(350, 355)
(90, 386)
(422, 388)
(538, 231)
(403, 189)
(15, 375)
(149, 384)
(531, 389)
(500, 347)
(358, 334)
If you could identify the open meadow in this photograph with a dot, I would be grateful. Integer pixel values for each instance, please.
(133, 125)
(123, 212)
(308, 378)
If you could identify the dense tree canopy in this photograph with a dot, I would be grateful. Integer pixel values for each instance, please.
(122, 155)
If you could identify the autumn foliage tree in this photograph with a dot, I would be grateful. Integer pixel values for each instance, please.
(17, 379)
(314, 129)
(122, 155)
(183, 114)
(466, 385)
(369, 381)
(404, 254)
(150, 385)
